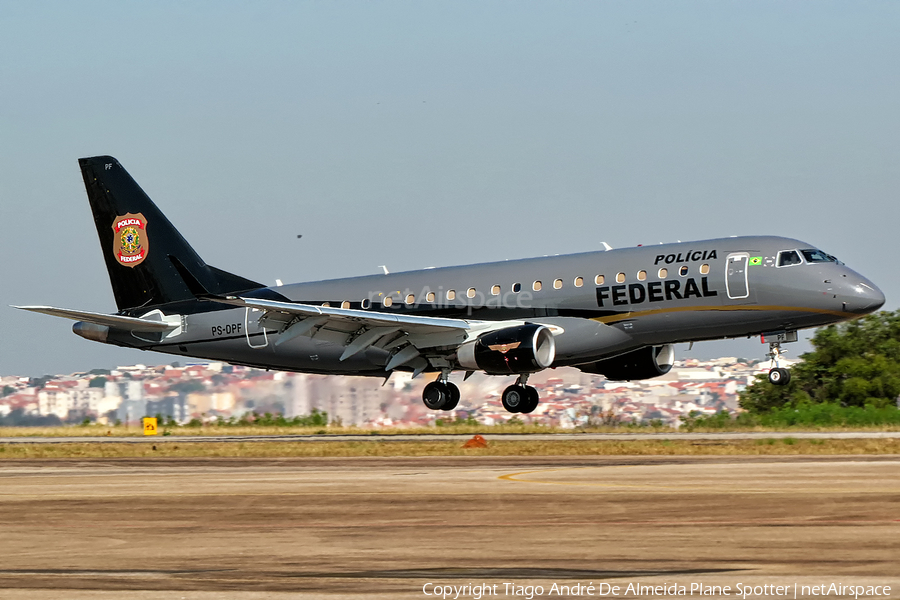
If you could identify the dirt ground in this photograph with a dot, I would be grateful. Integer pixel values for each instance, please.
(386, 527)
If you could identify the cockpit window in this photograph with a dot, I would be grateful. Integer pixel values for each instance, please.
(817, 256)
(787, 258)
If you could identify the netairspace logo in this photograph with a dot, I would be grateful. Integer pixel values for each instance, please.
(477, 591)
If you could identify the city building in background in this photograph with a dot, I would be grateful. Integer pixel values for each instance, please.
(210, 391)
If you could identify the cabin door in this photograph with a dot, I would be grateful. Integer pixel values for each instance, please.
(736, 275)
(256, 333)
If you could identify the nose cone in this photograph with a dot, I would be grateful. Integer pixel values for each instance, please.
(862, 296)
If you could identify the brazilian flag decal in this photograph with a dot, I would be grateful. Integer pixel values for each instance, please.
(755, 261)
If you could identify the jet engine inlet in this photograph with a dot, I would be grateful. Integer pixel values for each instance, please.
(522, 349)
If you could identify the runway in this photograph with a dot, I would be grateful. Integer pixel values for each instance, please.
(384, 528)
(434, 437)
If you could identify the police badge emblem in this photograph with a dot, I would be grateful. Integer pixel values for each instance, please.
(130, 243)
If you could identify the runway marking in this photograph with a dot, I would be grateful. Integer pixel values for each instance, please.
(514, 477)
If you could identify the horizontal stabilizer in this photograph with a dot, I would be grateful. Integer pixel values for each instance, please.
(117, 321)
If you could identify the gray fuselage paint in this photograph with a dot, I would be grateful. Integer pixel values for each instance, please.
(599, 320)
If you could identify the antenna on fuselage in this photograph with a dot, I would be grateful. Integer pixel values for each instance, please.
(384, 268)
(606, 246)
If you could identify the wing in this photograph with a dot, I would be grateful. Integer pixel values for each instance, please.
(119, 321)
(414, 337)
(348, 314)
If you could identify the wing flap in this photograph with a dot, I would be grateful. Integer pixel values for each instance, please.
(361, 328)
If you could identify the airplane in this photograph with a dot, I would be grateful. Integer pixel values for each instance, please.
(610, 312)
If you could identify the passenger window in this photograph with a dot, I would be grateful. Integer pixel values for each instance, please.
(326, 304)
(704, 269)
(620, 277)
(429, 297)
(642, 275)
(387, 301)
(345, 304)
(365, 303)
(536, 286)
(579, 281)
(517, 287)
(410, 298)
(599, 279)
(683, 270)
(495, 290)
(557, 284)
(663, 273)
(787, 258)
(470, 293)
(451, 294)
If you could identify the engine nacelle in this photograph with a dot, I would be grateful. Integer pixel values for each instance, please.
(643, 363)
(522, 349)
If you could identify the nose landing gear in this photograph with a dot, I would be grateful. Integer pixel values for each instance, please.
(777, 375)
(520, 398)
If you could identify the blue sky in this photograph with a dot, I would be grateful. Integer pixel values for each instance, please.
(427, 134)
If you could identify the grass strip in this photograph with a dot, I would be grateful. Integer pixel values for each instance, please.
(466, 429)
(663, 447)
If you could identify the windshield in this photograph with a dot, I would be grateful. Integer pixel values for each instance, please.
(817, 256)
(787, 258)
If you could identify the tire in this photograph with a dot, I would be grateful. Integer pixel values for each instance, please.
(452, 396)
(786, 379)
(779, 376)
(514, 397)
(435, 395)
(532, 400)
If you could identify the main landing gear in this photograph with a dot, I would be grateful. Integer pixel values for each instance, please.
(441, 395)
(777, 375)
(520, 398)
(517, 398)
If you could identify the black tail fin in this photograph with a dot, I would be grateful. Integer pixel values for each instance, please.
(148, 261)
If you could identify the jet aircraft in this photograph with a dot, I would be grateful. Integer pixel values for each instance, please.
(615, 313)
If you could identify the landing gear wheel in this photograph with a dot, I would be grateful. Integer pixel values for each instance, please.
(514, 398)
(779, 376)
(452, 396)
(435, 395)
(532, 398)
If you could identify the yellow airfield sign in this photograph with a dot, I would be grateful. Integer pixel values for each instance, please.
(150, 426)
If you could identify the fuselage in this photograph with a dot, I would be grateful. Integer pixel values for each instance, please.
(601, 304)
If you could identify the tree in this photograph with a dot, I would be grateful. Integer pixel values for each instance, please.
(856, 363)
(97, 382)
(18, 418)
